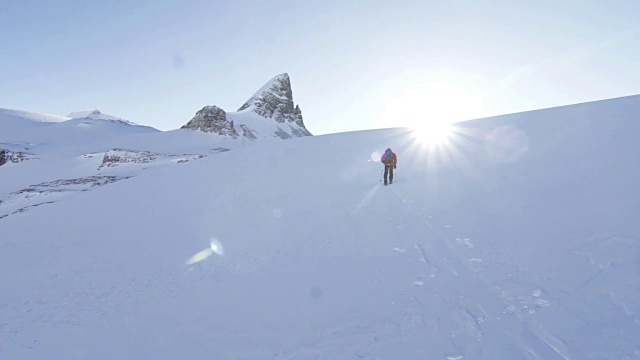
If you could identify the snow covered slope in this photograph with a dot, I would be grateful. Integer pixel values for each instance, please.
(15, 124)
(43, 160)
(518, 239)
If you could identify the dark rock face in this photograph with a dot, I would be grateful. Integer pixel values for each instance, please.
(14, 157)
(297, 115)
(275, 102)
(214, 120)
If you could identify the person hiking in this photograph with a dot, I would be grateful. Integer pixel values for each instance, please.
(390, 161)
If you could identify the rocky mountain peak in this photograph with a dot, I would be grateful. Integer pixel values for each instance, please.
(274, 101)
(270, 112)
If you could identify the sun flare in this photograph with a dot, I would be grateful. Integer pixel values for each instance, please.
(433, 134)
(429, 109)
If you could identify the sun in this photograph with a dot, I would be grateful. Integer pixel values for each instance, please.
(430, 108)
(433, 134)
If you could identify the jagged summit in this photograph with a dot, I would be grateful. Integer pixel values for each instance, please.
(274, 101)
(96, 114)
(279, 87)
(270, 112)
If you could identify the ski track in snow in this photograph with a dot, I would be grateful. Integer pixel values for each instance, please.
(443, 258)
(416, 321)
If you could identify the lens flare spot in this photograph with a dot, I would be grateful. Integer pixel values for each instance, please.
(216, 247)
(202, 255)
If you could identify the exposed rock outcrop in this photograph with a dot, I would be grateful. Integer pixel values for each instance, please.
(117, 157)
(214, 120)
(14, 157)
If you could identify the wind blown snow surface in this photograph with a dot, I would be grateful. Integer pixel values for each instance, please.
(519, 239)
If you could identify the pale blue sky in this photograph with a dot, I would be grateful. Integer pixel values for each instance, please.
(353, 64)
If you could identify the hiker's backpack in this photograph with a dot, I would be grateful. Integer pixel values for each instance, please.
(388, 158)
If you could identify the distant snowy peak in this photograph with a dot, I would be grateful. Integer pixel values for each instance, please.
(96, 114)
(17, 127)
(212, 119)
(269, 113)
(19, 115)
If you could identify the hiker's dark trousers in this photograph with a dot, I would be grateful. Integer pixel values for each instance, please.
(388, 173)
